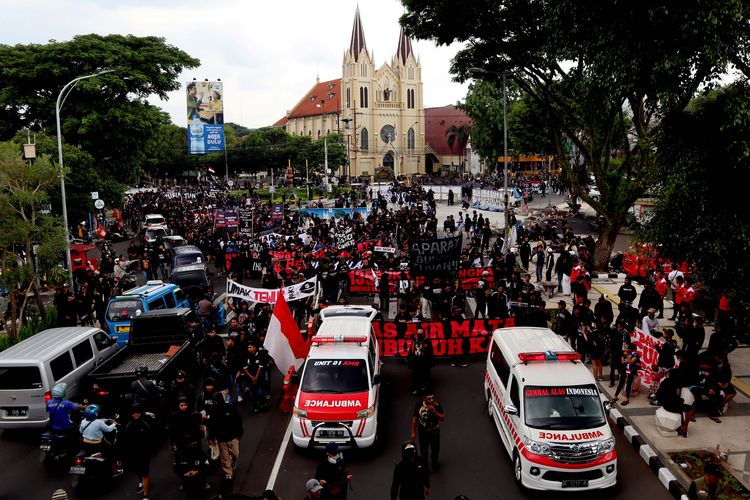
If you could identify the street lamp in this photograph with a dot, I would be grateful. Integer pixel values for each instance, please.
(484, 72)
(60, 101)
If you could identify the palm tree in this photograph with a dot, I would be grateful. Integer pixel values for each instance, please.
(458, 135)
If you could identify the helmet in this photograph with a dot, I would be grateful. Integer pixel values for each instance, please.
(141, 370)
(91, 412)
(59, 390)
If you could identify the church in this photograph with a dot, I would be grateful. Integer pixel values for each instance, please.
(379, 113)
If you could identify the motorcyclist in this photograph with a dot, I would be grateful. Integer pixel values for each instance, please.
(60, 410)
(92, 430)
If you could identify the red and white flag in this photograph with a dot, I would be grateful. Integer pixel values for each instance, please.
(284, 341)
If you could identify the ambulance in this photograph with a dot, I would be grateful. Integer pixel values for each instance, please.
(337, 400)
(546, 407)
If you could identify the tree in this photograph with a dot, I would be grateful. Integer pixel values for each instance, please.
(701, 215)
(107, 116)
(458, 135)
(604, 72)
(31, 242)
(528, 127)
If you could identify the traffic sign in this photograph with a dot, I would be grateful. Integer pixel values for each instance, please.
(99, 204)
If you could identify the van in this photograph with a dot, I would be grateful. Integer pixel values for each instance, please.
(337, 400)
(546, 407)
(30, 369)
(154, 295)
(186, 255)
(192, 279)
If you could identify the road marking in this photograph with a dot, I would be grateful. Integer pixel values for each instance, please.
(742, 386)
(280, 456)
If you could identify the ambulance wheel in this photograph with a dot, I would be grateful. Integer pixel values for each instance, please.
(518, 471)
(490, 411)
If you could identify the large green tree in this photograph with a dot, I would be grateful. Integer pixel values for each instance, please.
(701, 215)
(604, 72)
(31, 242)
(107, 116)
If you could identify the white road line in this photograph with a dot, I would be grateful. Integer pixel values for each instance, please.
(280, 456)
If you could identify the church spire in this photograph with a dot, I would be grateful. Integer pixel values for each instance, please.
(404, 46)
(358, 37)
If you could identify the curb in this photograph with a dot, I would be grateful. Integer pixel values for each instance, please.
(644, 450)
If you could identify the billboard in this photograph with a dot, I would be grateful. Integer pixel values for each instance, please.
(205, 116)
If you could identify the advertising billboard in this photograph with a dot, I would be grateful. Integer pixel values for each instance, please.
(205, 116)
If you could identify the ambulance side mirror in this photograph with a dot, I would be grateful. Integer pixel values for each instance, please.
(376, 379)
(511, 409)
(295, 379)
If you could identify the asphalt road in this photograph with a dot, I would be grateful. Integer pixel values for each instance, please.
(473, 461)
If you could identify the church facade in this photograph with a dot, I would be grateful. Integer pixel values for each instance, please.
(378, 111)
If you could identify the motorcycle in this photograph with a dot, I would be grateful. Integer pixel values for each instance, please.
(55, 451)
(94, 472)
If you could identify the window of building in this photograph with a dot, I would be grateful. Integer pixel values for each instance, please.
(364, 143)
(348, 97)
(410, 139)
(367, 100)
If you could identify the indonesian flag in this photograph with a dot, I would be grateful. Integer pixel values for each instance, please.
(284, 341)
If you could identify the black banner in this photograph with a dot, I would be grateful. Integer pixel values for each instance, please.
(277, 211)
(435, 256)
(449, 338)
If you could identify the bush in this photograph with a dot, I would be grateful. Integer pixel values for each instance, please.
(34, 325)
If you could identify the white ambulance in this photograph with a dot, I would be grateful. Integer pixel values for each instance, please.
(546, 406)
(337, 400)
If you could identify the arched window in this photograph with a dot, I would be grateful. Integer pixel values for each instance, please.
(348, 97)
(364, 142)
(367, 100)
(410, 139)
(318, 133)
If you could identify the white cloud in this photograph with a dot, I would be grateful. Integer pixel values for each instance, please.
(267, 53)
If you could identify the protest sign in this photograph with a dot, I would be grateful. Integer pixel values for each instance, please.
(246, 220)
(449, 338)
(646, 345)
(345, 237)
(277, 211)
(385, 249)
(435, 255)
(267, 296)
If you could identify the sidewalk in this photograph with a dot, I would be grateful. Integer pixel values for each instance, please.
(731, 436)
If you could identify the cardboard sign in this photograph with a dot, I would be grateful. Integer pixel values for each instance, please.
(646, 346)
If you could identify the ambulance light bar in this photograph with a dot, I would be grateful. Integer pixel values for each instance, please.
(337, 338)
(549, 356)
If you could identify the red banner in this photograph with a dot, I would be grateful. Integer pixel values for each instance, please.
(363, 280)
(449, 338)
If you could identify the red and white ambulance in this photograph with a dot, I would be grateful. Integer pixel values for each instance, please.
(546, 407)
(337, 400)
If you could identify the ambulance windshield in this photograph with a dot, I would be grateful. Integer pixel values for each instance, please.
(335, 376)
(563, 408)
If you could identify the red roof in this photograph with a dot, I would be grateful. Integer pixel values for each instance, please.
(327, 94)
(437, 121)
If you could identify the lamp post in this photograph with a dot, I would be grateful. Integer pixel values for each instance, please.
(481, 72)
(60, 101)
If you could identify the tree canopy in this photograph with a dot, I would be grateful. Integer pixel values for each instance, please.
(701, 214)
(31, 242)
(604, 73)
(107, 116)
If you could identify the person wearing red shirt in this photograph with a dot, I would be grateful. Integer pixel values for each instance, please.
(661, 286)
(680, 292)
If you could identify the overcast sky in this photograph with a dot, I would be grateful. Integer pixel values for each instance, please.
(267, 53)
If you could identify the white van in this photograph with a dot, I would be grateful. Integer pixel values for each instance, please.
(30, 369)
(546, 407)
(337, 401)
